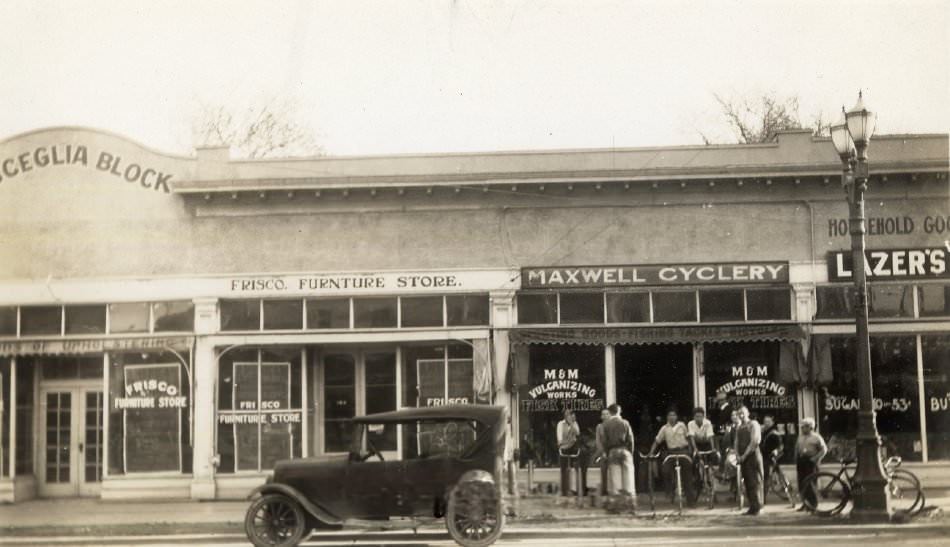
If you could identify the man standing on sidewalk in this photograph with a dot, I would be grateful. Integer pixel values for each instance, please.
(748, 437)
(600, 456)
(618, 441)
(809, 450)
(567, 436)
(772, 448)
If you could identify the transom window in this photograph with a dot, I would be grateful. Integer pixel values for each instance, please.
(373, 312)
(94, 319)
(712, 305)
(886, 301)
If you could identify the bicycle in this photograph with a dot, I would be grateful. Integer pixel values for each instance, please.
(678, 493)
(779, 484)
(827, 494)
(651, 460)
(707, 480)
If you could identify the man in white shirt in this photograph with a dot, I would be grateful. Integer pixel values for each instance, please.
(674, 435)
(568, 433)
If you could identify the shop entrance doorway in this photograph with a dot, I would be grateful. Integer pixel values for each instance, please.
(71, 442)
(650, 380)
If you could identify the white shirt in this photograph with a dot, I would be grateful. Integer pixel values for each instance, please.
(700, 432)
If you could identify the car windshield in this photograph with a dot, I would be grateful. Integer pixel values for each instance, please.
(455, 438)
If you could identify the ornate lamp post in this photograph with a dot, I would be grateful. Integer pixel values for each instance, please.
(851, 136)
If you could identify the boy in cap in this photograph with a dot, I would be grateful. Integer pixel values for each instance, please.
(809, 450)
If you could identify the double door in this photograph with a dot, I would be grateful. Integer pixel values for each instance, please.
(71, 445)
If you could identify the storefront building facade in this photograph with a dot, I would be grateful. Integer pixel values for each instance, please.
(172, 326)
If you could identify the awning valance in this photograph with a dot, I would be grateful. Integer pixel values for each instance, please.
(67, 346)
(592, 336)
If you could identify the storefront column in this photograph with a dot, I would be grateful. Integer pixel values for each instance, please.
(610, 375)
(699, 376)
(204, 374)
(502, 318)
(805, 304)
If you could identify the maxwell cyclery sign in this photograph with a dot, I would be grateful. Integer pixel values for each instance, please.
(654, 274)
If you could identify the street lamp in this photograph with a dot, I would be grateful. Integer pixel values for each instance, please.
(851, 136)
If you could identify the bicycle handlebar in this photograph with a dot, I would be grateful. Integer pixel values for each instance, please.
(647, 456)
(706, 452)
(678, 456)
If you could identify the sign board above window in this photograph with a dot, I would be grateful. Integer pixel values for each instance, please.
(892, 264)
(655, 275)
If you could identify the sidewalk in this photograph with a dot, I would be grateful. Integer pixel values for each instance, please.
(87, 516)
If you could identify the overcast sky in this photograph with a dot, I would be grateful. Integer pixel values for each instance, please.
(414, 76)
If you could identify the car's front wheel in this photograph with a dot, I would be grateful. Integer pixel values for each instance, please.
(275, 520)
(474, 516)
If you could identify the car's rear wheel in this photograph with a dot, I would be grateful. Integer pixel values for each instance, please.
(475, 516)
(275, 520)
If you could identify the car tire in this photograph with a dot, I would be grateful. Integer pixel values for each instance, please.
(475, 514)
(275, 520)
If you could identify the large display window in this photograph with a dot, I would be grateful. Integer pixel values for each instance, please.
(896, 396)
(935, 352)
(749, 373)
(437, 374)
(150, 413)
(260, 408)
(553, 379)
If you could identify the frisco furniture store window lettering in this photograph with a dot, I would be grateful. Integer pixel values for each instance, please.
(259, 408)
(150, 413)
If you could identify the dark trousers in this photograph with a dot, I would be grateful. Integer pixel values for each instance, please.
(686, 476)
(768, 463)
(751, 470)
(568, 463)
(805, 467)
(603, 476)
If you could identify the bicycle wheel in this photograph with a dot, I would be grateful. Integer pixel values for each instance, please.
(778, 484)
(825, 494)
(903, 487)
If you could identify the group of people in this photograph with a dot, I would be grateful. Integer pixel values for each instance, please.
(735, 431)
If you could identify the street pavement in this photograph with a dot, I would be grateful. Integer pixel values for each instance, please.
(542, 520)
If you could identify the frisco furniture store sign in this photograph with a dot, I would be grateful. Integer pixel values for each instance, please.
(655, 275)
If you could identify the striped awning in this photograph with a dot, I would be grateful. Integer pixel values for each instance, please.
(75, 346)
(593, 336)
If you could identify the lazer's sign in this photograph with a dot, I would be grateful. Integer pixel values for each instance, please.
(656, 274)
(891, 264)
(44, 157)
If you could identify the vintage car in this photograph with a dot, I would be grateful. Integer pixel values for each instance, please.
(440, 461)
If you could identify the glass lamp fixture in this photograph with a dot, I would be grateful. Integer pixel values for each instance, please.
(861, 123)
(841, 137)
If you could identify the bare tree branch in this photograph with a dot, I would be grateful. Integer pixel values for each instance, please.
(260, 131)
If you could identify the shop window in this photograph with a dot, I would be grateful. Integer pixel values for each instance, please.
(721, 305)
(751, 373)
(454, 438)
(129, 317)
(467, 310)
(149, 413)
(380, 381)
(24, 417)
(890, 301)
(374, 312)
(328, 313)
(537, 309)
(768, 304)
(5, 388)
(674, 306)
(71, 367)
(894, 366)
(835, 302)
(630, 307)
(579, 307)
(555, 378)
(339, 401)
(40, 320)
(174, 316)
(240, 315)
(934, 300)
(8, 321)
(260, 418)
(85, 319)
(439, 374)
(283, 314)
(421, 311)
(936, 363)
